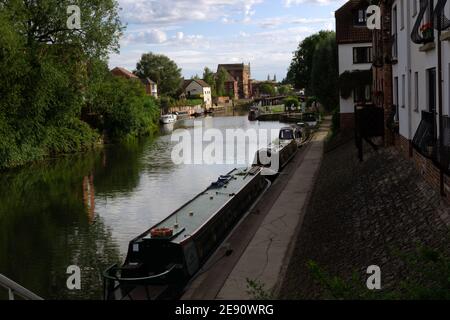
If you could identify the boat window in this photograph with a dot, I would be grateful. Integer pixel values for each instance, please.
(286, 135)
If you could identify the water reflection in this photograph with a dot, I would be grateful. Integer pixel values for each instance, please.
(84, 209)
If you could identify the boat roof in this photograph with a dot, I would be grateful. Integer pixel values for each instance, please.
(192, 216)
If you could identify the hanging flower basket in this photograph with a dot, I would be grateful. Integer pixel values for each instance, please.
(427, 32)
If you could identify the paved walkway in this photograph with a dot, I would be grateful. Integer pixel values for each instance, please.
(263, 243)
(362, 214)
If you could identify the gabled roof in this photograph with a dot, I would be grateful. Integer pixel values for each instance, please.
(147, 81)
(202, 83)
(346, 31)
(233, 66)
(124, 72)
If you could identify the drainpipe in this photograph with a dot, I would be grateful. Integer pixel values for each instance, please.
(409, 74)
(440, 101)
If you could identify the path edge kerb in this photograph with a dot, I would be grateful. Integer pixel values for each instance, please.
(276, 290)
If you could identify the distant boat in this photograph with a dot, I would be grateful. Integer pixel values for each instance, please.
(168, 119)
(253, 114)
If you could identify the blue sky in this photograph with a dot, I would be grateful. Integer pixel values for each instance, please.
(199, 33)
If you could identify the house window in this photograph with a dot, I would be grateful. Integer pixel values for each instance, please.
(396, 99)
(402, 14)
(431, 89)
(360, 17)
(394, 33)
(416, 91)
(362, 55)
(403, 91)
(362, 94)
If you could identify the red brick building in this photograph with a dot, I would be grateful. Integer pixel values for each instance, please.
(241, 74)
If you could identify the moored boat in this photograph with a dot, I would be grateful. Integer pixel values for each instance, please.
(174, 250)
(168, 119)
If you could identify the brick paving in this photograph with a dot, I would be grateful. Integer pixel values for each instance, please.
(359, 214)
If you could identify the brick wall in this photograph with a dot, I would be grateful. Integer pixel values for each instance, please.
(347, 121)
(426, 167)
(403, 145)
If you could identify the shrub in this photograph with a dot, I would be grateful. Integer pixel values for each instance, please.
(291, 101)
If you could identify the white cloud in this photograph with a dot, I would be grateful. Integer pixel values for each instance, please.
(175, 11)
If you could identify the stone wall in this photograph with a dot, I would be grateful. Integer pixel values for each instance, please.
(427, 168)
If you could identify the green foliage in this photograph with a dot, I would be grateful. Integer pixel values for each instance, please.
(125, 109)
(285, 90)
(257, 290)
(192, 102)
(52, 75)
(221, 78)
(426, 276)
(324, 73)
(290, 102)
(349, 80)
(210, 78)
(161, 70)
(268, 89)
(300, 70)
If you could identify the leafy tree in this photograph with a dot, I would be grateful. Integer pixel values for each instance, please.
(162, 70)
(267, 89)
(291, 103)
(284, 90)
(324, 74)
(221, 78)
(210, 78)
(45, 75)
(299, 72)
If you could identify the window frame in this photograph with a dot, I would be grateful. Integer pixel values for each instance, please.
(369, 54)
(416, 91)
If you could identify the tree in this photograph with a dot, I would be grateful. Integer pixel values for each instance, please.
(161, 70)
(221, 78)
(299, 72)
(284, 90)
(267, 89)
(324, 74)
(291, 103)
(45, 75)
(210, 78)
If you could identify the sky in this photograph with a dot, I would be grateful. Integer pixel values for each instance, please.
(204, 33)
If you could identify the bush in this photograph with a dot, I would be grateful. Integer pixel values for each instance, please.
(291, 101)
(426, 276)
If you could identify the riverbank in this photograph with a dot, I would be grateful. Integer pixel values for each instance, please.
(370, 213)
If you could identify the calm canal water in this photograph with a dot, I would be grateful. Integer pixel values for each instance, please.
(84, 209)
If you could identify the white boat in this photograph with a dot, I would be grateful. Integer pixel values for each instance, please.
(168, 118)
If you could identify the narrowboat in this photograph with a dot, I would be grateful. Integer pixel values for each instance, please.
(278, 154)
(168, 119)
(293, 132)
(253, 114)
(173, 251)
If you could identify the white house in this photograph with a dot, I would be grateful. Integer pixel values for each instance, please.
(198, 88)
(407, 76)
(354, 42)
(415, 73)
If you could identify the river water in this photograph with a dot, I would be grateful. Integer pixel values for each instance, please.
(84, 209)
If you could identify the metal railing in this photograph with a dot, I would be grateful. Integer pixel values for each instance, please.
(15, 289)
